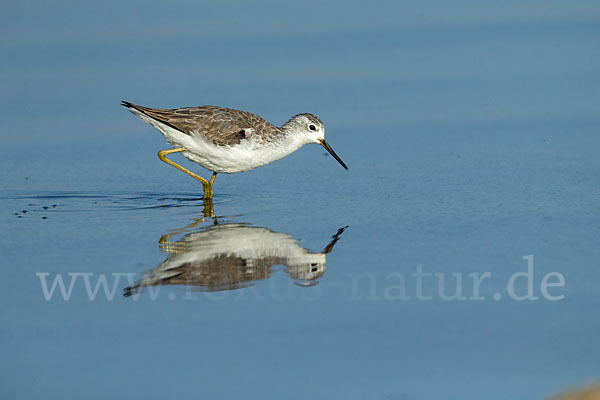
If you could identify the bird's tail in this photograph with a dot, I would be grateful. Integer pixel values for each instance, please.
(130, 106)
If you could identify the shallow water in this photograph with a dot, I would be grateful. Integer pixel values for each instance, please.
(471, 135)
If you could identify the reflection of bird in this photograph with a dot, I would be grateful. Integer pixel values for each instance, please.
(231, 256)
(228, 141)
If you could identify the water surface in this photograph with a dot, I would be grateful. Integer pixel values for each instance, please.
(470, 130)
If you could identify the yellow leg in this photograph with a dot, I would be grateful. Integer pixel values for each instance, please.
(210, 192)
(206, 185)
(176, 247)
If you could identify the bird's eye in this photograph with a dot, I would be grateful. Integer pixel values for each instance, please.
(312, 127)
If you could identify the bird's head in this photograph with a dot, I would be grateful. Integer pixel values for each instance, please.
(308, 268)
(310, 129)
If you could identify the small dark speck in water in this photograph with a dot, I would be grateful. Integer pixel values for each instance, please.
(53, 205)
(19, 216)
(45, 207)
(24, 211)
(16, 213)
(26, 178)
(44, 217)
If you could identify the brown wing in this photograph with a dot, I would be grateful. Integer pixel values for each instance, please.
(222, 126)
(223, 272)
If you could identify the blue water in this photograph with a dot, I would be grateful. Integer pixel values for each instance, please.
(471, 133)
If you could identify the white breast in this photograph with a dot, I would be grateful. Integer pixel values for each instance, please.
(250, 153)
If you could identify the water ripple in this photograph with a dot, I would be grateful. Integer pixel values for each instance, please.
(90, 201)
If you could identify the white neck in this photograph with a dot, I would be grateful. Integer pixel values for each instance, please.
(294, 135)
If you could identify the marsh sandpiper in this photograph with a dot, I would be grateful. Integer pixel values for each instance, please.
(224, 140)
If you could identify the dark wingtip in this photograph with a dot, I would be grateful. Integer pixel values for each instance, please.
(127, 104)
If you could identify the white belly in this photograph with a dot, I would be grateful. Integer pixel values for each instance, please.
(250, 153)
(246, 155)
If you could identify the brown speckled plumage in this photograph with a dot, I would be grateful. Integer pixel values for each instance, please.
(222, 126)
(220, 273)
(312, 117)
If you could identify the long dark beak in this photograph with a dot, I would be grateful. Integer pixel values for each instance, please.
(334, 240)
(330, 150)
